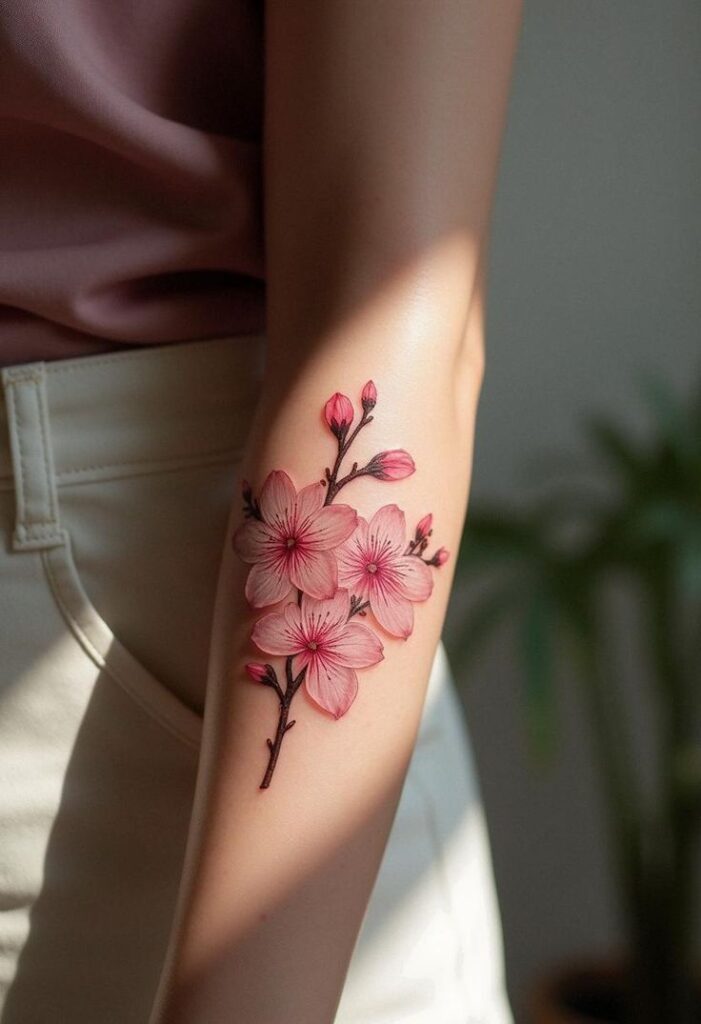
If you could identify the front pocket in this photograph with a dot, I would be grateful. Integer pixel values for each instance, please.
(109, 654)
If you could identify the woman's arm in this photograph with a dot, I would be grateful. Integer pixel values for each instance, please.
(382, 131)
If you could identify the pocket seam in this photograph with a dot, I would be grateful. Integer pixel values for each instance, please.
(163, 706)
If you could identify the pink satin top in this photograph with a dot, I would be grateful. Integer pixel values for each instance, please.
(130, 174)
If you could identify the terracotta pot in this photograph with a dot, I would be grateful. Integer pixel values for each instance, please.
(584, 992)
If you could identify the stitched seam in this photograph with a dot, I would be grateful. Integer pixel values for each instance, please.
(142, 462)
(102, 662)
(53, 514)
(85, 480)
(26, 525)
(14, 375)
(19, 491)
(34, 528)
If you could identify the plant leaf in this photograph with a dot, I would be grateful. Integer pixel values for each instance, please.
(537, 641)
(485, 617)
(673, 419)
(689, 563)
(617, 449)
(492, 537)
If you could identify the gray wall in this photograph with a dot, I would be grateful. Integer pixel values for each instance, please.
(594, 279)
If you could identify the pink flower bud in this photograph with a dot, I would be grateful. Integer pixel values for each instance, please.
(440, 558)
(338, 413)
(424, 527)
(369, 396)
(392, 465)
(257, 672)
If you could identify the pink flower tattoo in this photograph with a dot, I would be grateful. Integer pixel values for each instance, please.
(290, 540)
(329, 565)
(319, 635)
(376, 566)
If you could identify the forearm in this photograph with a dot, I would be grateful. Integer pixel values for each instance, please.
(375, 247)
(282, 875)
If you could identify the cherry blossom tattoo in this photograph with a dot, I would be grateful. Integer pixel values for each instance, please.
(323, 565)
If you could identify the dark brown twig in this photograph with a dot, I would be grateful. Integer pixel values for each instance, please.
(283, 726)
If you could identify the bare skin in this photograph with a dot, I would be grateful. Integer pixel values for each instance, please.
(382, 132)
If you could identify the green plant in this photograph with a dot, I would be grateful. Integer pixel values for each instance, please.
(550, 569)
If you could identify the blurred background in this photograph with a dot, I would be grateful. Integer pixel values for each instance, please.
(594, 291)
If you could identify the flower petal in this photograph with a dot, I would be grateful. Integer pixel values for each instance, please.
(351, 560)
(328, 528)
(267, 583)
(333, 687)
(293, 615)
(394, 613)
(361, 533)
(388, 525)
(277, 499)
(354, 546)
(357, 647)
(327, 615)
(414, 579)
(252, 540)
(309, 501)
(275, 634)
(315, 573)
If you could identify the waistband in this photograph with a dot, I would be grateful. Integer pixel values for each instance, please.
(133, 410)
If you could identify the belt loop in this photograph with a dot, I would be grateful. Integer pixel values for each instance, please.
(37, 522)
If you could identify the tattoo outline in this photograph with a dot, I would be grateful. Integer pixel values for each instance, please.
(329, 565)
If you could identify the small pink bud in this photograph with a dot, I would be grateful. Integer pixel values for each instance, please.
(369, 396)
(392, 465)
(257, 672)
(424, 527)
(440, 558)
(339, 414)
